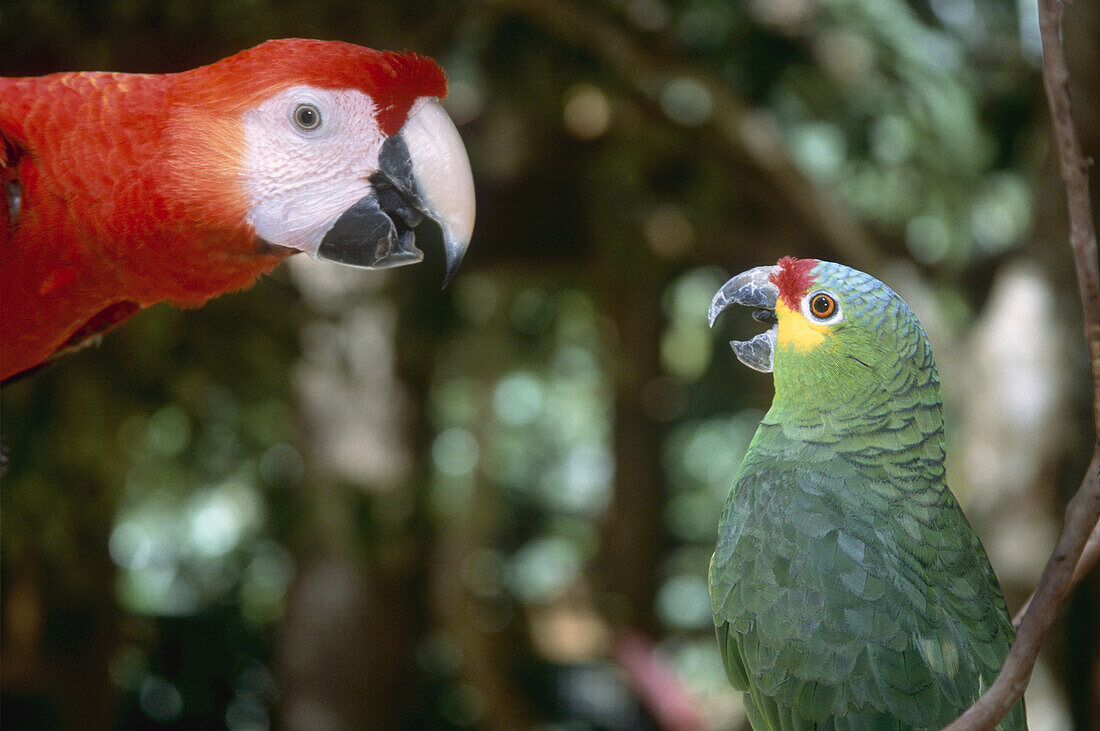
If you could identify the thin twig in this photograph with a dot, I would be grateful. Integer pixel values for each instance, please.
(1083, 511)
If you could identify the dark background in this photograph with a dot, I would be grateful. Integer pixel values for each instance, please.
(349, 499)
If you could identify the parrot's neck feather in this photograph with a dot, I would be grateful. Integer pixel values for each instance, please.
(874, 400)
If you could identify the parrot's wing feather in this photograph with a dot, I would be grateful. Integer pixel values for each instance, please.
(755, 719)
(86, 336)
(731, 658)
(12, 158)
(837, 622)
(737, 674)
(731, 655)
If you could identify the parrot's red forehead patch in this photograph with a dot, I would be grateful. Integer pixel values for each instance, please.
(792, 277)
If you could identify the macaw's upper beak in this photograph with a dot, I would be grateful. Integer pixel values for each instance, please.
(423, 171)
(755, 289)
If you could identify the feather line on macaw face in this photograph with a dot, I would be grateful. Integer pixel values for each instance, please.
(123, 190)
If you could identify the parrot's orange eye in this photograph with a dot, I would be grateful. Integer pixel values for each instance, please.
(307, 116)
(822, 306)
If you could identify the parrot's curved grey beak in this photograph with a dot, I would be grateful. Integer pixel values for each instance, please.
(423, 172)
(755, 289)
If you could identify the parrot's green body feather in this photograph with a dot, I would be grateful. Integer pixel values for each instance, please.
(848, 589)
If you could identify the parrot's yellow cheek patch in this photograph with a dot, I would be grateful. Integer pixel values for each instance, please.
(795, 331)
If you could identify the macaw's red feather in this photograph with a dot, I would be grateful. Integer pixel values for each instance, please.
(118, 191)
(393, 80)
(792, 277)
(104, 224)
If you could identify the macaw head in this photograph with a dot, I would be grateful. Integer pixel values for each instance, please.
(337, 150)
(834, 330)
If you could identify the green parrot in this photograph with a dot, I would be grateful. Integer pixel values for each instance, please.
(848, 589)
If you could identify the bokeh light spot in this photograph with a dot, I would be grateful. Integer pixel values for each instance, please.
(160, 700)
(587, 113)
(668, 231)
(647, 15)
(518, 398)
(168, 431)
(282, 466)
(130, 545)
(928, 237)
(819, 148)
(541, 569)
(687, 101)
(684, 602)
(455, 452)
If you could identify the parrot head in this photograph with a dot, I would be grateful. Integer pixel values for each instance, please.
(339, 150)
(833, 330)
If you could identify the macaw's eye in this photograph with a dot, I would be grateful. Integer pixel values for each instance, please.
(822, 306)
(307, 116)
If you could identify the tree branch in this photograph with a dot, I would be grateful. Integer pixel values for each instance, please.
(1061, 573)
(731, 124)
(1088, 559)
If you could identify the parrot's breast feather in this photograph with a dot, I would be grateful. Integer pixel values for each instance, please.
(828, 609)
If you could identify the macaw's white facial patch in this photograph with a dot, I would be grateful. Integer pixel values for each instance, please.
(309, 154)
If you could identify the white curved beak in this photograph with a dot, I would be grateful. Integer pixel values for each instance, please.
(423, 172)
(444, 181)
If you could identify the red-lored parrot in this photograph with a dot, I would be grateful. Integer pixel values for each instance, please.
(123, 190)
(848, 589)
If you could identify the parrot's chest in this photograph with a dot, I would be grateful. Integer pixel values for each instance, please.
(813, 539)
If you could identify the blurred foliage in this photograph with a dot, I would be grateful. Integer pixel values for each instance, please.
(173, 492)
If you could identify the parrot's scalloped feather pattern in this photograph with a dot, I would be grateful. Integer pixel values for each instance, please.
(848, 589)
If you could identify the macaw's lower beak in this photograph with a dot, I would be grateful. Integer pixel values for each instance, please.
(423, 172)
(755, 289)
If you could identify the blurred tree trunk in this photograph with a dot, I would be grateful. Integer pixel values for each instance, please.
(633, 529)
(345, 648)
(345, 651)
(60, 628)
(487, 647)
(487, 655)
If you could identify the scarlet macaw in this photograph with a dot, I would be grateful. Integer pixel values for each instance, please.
(123, 190)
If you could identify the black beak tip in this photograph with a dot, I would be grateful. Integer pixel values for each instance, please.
(455, 251)
(452, 268)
